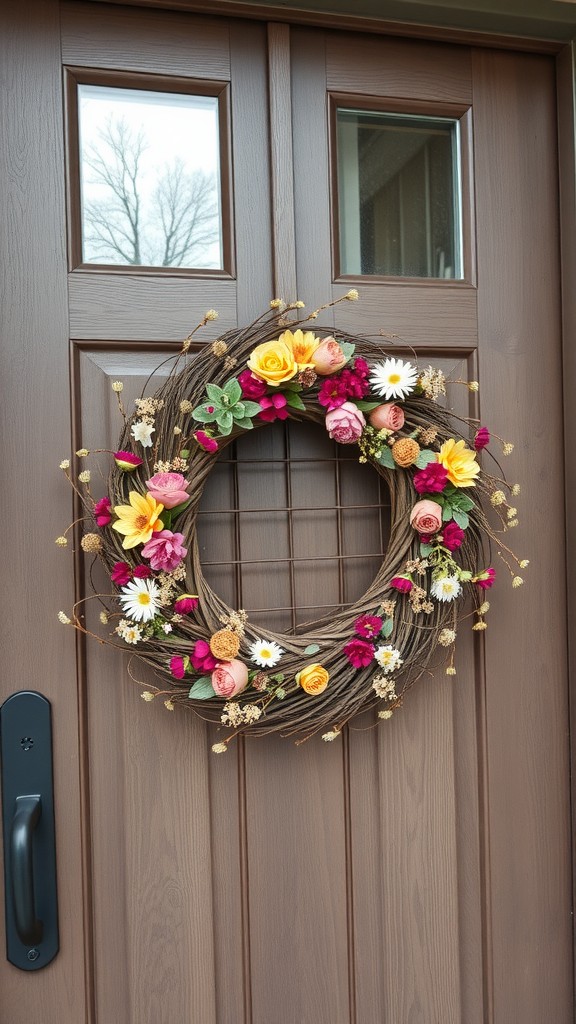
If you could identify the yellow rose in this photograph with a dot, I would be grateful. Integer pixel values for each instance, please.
(313, 679)
(460, 462)
(273, 361)
(303, 345)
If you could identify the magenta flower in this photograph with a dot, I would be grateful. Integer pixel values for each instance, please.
(452, 535)
(142, 572)
(273, 407)
(209, 444)
(332, 393)
(432, 479)
(121, 574)
(368, 626)
(127, 461)
(482, 438)
(485, 579)
(102, 512)
(179, 665)
(359, 652)
(185, 604)
(252, 387)
(202, 658)
(402, 584)
(169, 489)
(165, 550)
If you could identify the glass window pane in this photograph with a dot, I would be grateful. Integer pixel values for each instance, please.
(398, 195)
(150, 178)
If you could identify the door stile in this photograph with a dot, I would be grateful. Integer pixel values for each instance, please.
(281, 161)
(566, 85)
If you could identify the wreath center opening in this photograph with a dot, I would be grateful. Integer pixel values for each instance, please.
(291, 527)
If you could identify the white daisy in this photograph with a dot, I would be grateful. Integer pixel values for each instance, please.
(266, 653)
(140, 599)
(142, 432)
(445, 589)
(388, 658)
(393, 378)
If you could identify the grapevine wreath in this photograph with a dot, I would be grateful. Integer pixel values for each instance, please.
(445, 512)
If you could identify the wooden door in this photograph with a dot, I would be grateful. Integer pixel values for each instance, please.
(419, 872)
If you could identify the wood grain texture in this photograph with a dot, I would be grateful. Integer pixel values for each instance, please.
(37, 652)
(566, 76)
(418, 314)
(398, 68)
(165, 44)
(526, 695)
(131, 308)
(281, 160)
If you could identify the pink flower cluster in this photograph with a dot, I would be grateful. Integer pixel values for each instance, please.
(359, 650)
(165, 550)
(350, 383)
(432, 479)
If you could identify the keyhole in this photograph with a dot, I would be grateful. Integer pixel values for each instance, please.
(26, 743)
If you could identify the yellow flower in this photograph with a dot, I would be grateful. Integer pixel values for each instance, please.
(460, 462)
(138, 520)
(273, 361)
(313, 679)
(303, 345)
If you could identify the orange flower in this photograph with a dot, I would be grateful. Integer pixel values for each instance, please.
(460, 462)
(138, 520)
(313, 679)
(303, 345)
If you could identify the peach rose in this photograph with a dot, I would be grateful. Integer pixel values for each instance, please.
(328, 357)
(388, 416)
(426, 516)
(345, 424)
(313, 679)
(274, 362)
(229, 678)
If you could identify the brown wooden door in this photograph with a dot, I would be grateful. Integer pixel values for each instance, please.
(419, 872)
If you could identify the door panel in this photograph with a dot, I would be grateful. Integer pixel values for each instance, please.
(419, 871)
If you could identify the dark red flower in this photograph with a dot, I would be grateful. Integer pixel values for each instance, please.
(185, 604)
(482, 438)
(252, 387)
(452, 535)
(359, 653)
(142, 572)
(432, 479)
(402, 584)
(102, 512)
(178, 666)
(121, 574)
(485, 579)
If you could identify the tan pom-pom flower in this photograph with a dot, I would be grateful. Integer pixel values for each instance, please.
(225, 645)
(91, 543)
(405, 451)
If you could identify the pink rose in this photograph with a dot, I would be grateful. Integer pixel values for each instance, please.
(388, 417)
(168, 488)
(165, 550)
(426, 516)
(328, 357)
(229, 678)
(345, 424)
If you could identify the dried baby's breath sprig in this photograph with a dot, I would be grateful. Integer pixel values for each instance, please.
(61, 541)
(64, 619)
(219, 748)
(330, 736)
(65, 464)
(82, 453)
(147, 696)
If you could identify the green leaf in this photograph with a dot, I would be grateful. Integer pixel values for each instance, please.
(425, 550)
(251, 409)
(245, 423)
(463, 502)
(291, 385)
(461, 518)
(294, 400)
(385, 458)
(202, 689)
(225, 421)
(233, 390)
(202, 415)
(177, 509)
(214, 393)
(238, 410)
(387, 627)
(348, 349)
(365, 406)
(184, 453)
(447, 512)
(166, 518)
(424, 457)
(312, 649)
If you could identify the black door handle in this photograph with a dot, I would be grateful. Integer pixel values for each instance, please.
(26, 815)
(31, 903)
